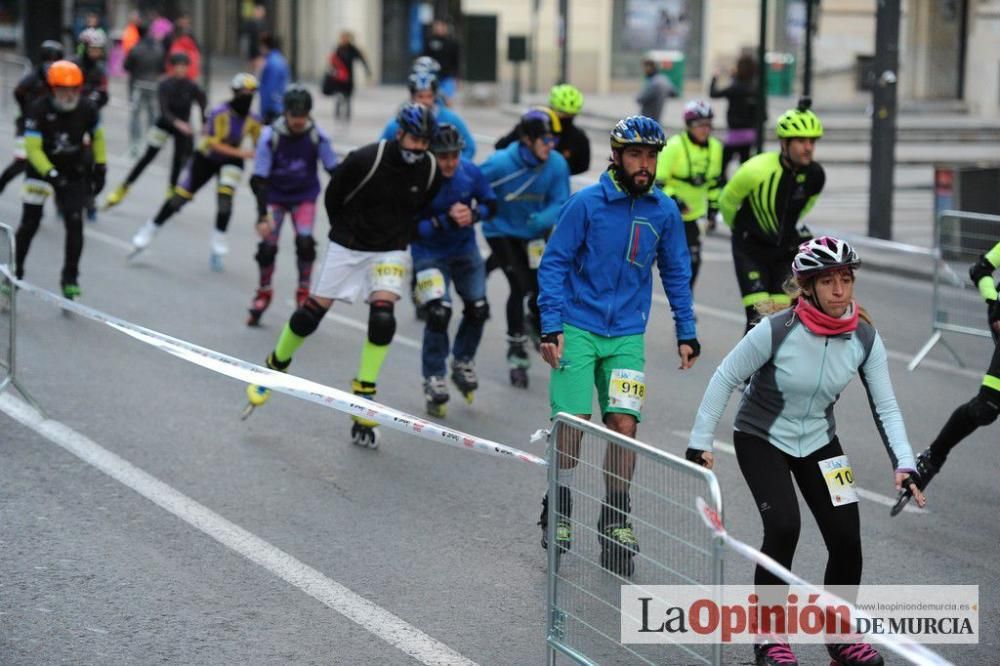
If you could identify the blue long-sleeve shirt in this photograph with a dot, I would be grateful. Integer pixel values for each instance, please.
(273, 81)
(441, 115)
(439, 237)
(796, 377)
(529, 193)
(597, 270)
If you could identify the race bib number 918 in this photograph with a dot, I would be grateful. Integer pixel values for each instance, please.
(627, 389)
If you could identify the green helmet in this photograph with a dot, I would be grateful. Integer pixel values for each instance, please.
(800, 122)
(565, 98)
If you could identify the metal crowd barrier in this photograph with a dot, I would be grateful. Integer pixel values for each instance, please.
(584, 598)
(8, 318)
(12, 68)
(957, 306)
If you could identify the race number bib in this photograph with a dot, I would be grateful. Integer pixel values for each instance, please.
(839, 480)
(157, 137)
(627, 389)
(229, 176)
(536, 248)
(430, 285)
(388, 276)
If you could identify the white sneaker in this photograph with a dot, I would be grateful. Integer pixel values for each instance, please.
(220, 246)
(144, 236)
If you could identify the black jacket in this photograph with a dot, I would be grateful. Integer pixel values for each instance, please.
(374, 196)
(31, 88)
(742, 96)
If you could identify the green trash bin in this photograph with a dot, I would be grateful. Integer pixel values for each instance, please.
(672, 65)
(780, 73)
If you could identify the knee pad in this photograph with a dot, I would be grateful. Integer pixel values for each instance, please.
(438, 316)
(477, 311)
(381, 322)
(984, 408)
(266, 252)
(305, 248)
(306, 319)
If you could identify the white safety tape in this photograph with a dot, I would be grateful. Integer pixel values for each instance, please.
(901, 644)
(282, 382)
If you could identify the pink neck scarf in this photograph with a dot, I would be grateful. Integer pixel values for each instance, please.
(821, 323)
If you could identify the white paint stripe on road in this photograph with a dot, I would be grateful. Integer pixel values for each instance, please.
(108, 239)
(370, 616)
(726, 447)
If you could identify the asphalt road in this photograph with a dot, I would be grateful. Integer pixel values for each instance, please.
(440, 543)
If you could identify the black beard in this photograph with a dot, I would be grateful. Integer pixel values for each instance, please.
(628, 182)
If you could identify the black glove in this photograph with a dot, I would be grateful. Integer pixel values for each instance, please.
(981, 269)
(697, 456)
(693, 344)
(98, 176)
(550, 338)
(56, 179)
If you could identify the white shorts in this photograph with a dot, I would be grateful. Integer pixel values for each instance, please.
(347, 275)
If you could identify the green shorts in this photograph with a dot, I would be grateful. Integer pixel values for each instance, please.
(614, 365)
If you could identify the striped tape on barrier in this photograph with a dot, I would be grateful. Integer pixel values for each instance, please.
(283, 383)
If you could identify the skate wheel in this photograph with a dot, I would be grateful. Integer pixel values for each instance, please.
(215, 263)
(469, 397)
(247, 411)
(136, 251)
(440, 410)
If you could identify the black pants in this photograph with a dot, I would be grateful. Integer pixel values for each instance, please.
(769, 472)
(71, 201)
(982, 410)
(728, 152)
(183, 147)
(511, 256)
(693, 234)
(761, 271)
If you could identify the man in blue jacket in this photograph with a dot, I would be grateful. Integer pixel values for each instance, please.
(445, 253)
(595, 289)
(273, 78)
(423, 86)
(531, 181)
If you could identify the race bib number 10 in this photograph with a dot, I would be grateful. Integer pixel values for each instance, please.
(839, 479)
(627, 389)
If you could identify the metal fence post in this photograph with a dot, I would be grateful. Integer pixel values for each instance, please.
(8, 319)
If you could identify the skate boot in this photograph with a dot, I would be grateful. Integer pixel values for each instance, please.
(618, 542)
(564, 529)
(257, 395)
(436, 395)
(71, 292)
(463, 374)
(92, 212)
(220, 248)
(517, 359)
(364, 432)
(115, 196)
(259, 304)
(301, 294)
(927, 469)
(774, 652)
(854, 654)
(143, 237)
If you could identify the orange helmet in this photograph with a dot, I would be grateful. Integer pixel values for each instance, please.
(64, 74)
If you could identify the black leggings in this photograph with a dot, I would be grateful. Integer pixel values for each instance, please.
(183, 147)
(72, 216)
(769, 471)
(511, 256)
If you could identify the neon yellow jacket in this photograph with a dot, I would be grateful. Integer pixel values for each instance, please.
(691, 173)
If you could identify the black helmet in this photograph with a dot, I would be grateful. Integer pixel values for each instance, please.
(416, 120)
(297, 100)
(50, 51)
(447, 139)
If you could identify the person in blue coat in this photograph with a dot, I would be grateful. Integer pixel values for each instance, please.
(274, 78)
(595, 291)
(531, 181)
(445, 253)
(423, 87)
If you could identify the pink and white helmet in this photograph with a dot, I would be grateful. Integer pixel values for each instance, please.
(697, 109)
(824, 254)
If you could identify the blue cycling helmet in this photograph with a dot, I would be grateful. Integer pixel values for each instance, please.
(447, 139)
(416, 120)
(426, 64)
(637, 131)
(419, 81)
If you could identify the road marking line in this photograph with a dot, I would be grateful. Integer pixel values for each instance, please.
(375, 619)
(878, 498)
